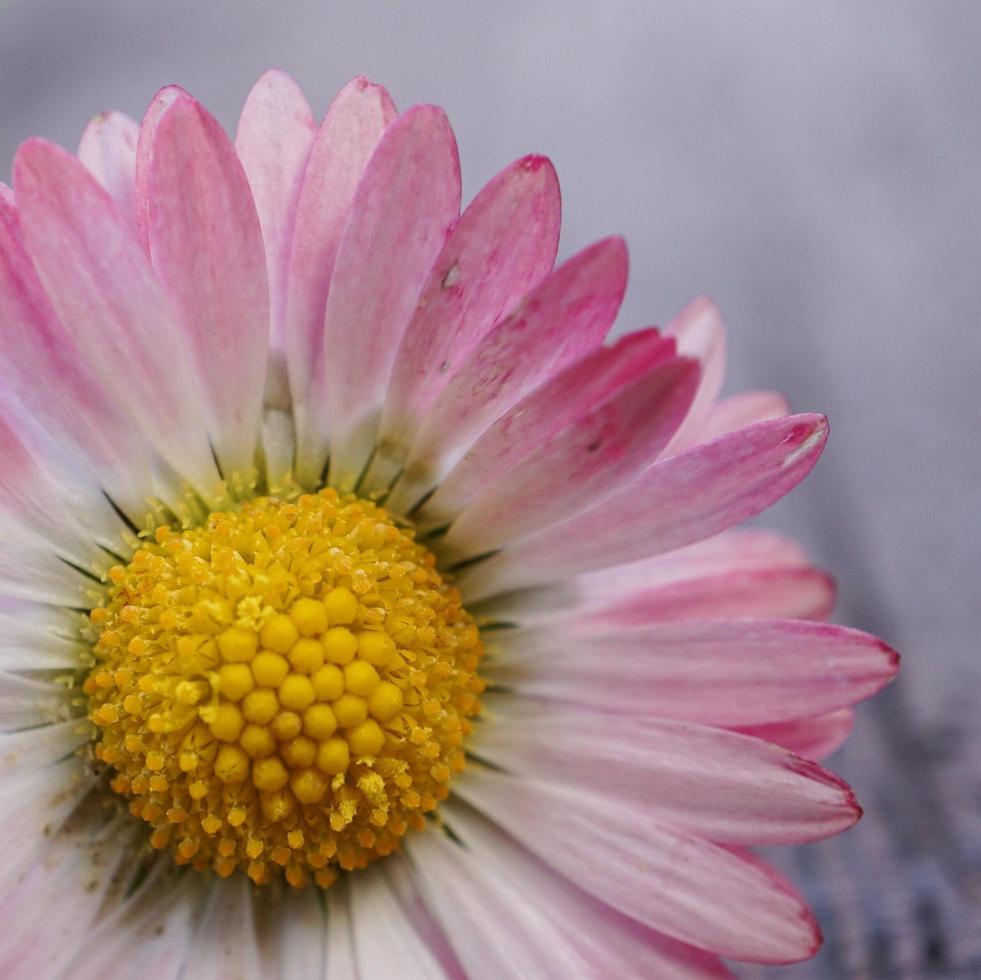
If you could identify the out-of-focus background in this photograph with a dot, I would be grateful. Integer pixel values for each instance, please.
(816, 169)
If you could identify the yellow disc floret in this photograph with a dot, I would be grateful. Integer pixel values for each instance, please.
(284, 690)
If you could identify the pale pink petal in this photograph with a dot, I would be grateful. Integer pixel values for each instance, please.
(699, 332)
(719, 785)
(403, 210)
(30, 569)
(292, 933)
(721, 672)
(794, 593)
(677, 501)
(150, 931)
(348, 137)
(503, 244)
(509, 915)
(541, 416)
(744, 550)
(602, 449)
(84, 863)
(39, 800)
(106, 295)
(224, 943)
(567, 315)
(38, 640)
(26, 703)
(25, 750)
(386, 944)
(275, 135)
(44, 370)
(29, 499)
(341, 958)
(108, 149)
(814, 738)
(681, 885)
(206, 246)
(738, 411)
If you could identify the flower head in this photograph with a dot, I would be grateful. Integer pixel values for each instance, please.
(362, 610)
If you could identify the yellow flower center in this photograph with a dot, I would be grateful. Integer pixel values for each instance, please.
(285, 689)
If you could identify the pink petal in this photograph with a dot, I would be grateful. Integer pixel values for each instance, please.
(44, 370)
(540, 417)
(721, 672)
(563, 318)
(794, 593)
(699, 332)
(224, 943)
(350, 133)
(738, 411)
(719, 785)
(677, 501)
(609, 444)
(403, 210)
(503, 244)
(86, 862)
(150, 931)
(206, 246)
(26, 703)
(31, 570)
(386, 944)
(275, 136)
(104, 292)
(813, 738)
(341, 959)
(510, 915)
(678, 884)
(108, 149)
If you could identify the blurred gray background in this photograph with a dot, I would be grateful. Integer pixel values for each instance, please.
(815, 168)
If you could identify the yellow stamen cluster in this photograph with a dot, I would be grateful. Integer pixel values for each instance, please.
(285, 689)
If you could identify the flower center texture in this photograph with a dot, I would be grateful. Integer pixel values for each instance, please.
(285, 689)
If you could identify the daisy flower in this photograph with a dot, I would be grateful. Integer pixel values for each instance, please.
(363, 613)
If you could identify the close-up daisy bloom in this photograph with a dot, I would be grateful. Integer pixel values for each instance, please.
(368, 612)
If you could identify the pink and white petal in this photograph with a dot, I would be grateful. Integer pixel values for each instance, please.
(813, 738)
(677, 501)
(402, 879)
(782, 593)
(150, 931)
(504, 243)
(403, 210)
(745, 550)
(537, 419)
(108, 150)
(84, 863)
(206, 246)
(563, 318)
(699, 333)
(346, 141)
(733, 672)
(720, 785)
(738, 411)
(291, 930)
(678, 884)
(224, 943)
(385, 942)
(341, 958)
(599, 452)
(26, 703)
(36, 644)
(104, 292)
(275, 136)
(29, 749)
(509, 915)
(30, 570)
(45, 373)
(33, 808)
